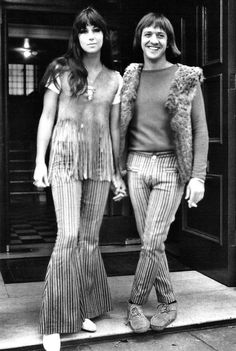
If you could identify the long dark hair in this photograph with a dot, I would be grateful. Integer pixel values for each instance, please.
(72, 60)
(155, 20)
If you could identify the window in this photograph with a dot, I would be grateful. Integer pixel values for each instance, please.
(22, 79)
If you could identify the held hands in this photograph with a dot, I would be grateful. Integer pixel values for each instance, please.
(119, 187)
(194, 192)
(40, 176)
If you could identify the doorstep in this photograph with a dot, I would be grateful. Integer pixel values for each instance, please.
(202, 302)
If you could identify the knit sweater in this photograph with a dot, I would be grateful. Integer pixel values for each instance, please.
(149, 129)
(178, 104)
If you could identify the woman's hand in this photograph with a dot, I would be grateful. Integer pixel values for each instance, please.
(194, 192)
(40, 175)
(45, 128)
(119, 187)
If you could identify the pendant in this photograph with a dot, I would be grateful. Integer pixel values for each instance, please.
(90, 92)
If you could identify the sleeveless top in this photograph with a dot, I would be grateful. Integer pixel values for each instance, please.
(81, 145)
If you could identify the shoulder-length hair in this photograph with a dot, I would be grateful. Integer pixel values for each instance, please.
(162, 22)
(72, 60)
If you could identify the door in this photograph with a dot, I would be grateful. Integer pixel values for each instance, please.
(207, 240)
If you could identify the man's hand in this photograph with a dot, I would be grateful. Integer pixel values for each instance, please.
(194, 192)
(119, 187)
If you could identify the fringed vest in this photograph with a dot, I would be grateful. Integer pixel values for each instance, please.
(178, 105)
(81, 143)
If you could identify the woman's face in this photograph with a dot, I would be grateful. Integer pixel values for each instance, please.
(153, 43)
(91, 39)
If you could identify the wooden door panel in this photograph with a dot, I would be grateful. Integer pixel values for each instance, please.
(206, 221)
(189, 34)
(212, 26)
(213, 90)
(204, 237)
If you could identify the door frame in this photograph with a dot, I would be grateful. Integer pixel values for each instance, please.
(231, 212)
(214, 253)
(4, 225)
(61, 6)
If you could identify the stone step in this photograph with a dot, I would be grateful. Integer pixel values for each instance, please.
(21, 164)
(20, 174)
(20, 144)
(202, 303)
(22, 186)
(21, 154)
(19, 197)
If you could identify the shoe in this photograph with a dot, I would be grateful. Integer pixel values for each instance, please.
(136, 318)
(166, 314)
(88, 326)
(52, 342)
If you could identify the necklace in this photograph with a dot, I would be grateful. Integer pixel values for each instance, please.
(90, 92)
(90, 88)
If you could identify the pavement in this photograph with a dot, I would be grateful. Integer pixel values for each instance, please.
(217, 339)
(203, 303)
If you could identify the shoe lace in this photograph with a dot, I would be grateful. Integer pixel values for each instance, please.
(135, 312)
(164, 308)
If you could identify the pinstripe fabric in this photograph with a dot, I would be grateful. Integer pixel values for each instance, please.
(155, 193)
(76, 284)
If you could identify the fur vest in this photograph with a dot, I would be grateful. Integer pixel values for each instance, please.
(178, 105)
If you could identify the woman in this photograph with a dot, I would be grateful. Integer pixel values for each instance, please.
(82, 96)
(163, 120)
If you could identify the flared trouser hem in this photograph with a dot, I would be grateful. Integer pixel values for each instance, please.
(155, 192)
(76, 284)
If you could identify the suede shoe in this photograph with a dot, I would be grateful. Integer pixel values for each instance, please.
(166, 314)
(136, 318)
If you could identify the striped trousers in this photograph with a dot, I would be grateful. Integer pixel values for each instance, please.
(155, 193)
(76, 283)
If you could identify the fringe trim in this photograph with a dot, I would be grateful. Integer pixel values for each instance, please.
(80, 152)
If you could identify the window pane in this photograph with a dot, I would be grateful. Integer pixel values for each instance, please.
(29, 79)
(16, 79)
(22, 79)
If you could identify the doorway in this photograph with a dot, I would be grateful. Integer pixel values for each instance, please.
(205, 32)
(31, 46)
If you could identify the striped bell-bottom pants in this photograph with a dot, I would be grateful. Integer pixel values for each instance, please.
(155, 193)
(76, 283)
